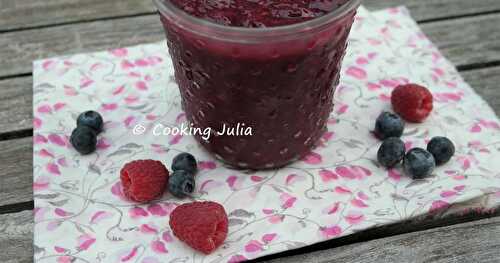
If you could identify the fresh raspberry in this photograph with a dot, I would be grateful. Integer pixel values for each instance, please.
(413, 102)
(201, 225)
(144, 180)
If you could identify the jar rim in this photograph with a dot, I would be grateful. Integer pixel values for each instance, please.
(245, 34)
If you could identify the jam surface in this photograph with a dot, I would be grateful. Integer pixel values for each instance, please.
(258, 13)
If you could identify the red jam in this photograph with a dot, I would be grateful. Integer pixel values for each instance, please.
(258, 13)
(280, 87)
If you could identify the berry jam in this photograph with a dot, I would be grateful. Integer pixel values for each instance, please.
(258, 13)
(279, 84)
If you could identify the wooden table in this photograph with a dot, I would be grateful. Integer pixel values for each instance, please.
(466, 31)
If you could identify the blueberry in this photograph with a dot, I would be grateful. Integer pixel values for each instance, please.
(389, 125)
(84, 140)
(442, 149)
(186, 162)
(91, 119)
(181, 183)
(391, 152)
(419, 163)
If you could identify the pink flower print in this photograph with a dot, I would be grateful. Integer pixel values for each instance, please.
(126, 65)
(131, 99)
(256, 178)
(117, 190)
(44, 109)
(62, 213)
(268, 211)
(267, 238)
(137, 212)
(141, 62)
(353, 172)
(384, 97)
(358, 203)
(65, 259)
(167, 237)
(109, 106)
(158, 247)
(356, 72)
(389, 83)
(363, 196)
(52, 168)
(253, 246)
(459, 188)
(489, 124)
(130, 121)
(276, 219)
(362, 61)
(447, 193)
(48, 65)
(373, 86)
(134, 74)
(374, 42)
(175, 139)
(312, 158)
(118, 90)
(332, 209)
(342, 108)
(327, 136)
(151, 117)
(56, 139)
(287, 200)
(85, 82)
(292, 179)
(60, 250)
(103, 144)
(475, 128)
(53, 225)
(59, 106)
(372, 55)
(342, 190)
(141, 85)
(70, 91)
(99, 216)
(41, 183)
(438, 205)
(157, 210)
(180, 118)
(85, 241)
(231, 180)
(354, 217)
(237, 259)
(329, 232)
(206, 165)
(119, 52)
(148, 229)
(209, 185)
(39, 139)
(129, 255)
(327, 175)
(394, 174)
(45, 153)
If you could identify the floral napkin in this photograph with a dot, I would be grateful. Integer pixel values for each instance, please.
(81, 214)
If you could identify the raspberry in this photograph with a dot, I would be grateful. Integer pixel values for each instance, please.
(412, 102)
(143, 180)
(201, 225)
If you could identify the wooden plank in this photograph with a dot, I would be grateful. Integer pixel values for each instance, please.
(19, 49)
(445, 244)
(470, 40)
(16, 237)
(438, 9)
(16, 170)
(478, 241)
(465, 41)
(16, 99)
(15, 14)
(486, 82)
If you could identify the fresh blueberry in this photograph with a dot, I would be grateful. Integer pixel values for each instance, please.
(186, 162)
(419, 163)
(391, 152)
(181, 183)
(388, 125)
(84, 140)
(442, 149)
(91, 119)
